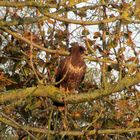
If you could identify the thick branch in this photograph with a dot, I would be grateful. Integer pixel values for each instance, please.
(45, 5)
(30, 20)
(26, 3)
(47, 14)
(56, 95)
(52, 15)
(110, 88)
(81, 22)
(19, 21)
(70, 133)
(44, 91)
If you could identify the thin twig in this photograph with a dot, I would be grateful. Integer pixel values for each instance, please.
(31, 58)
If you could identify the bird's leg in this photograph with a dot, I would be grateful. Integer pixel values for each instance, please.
(67, 91)
(62, 89)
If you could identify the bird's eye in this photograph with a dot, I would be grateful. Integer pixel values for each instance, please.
(82, 49)
(69, 49)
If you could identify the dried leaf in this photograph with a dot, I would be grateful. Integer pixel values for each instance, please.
(97, 34)
(50, 21)
(85, 32)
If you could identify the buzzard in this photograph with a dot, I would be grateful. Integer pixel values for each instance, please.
(71, 70)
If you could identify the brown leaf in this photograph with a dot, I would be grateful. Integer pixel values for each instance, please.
(50, 21)
(97, 34)
(85, 32)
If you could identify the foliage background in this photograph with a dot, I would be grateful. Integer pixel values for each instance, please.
(35, 35)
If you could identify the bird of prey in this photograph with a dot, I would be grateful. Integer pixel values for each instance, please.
(71, 70)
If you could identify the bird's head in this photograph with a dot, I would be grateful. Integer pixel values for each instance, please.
(77, 50)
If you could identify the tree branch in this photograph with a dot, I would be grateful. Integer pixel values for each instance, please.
(57, 96)
(9, 119)
(44, 91)
(16, 35)
(70, 133)
(54, 16)
(80, 22)
(110, 88)
(47, 14)
(19, 21)
(26, 3)
(60, 52)
(51, 15)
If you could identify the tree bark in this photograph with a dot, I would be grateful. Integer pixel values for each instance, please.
(57, 96)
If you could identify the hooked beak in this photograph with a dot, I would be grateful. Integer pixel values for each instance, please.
(86, 52)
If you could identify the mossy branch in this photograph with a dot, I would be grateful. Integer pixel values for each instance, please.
(30, 20)
(70, 133)
(43, 91)
(126, 82)
(47, 15)
(57, 96)
(26, 3)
